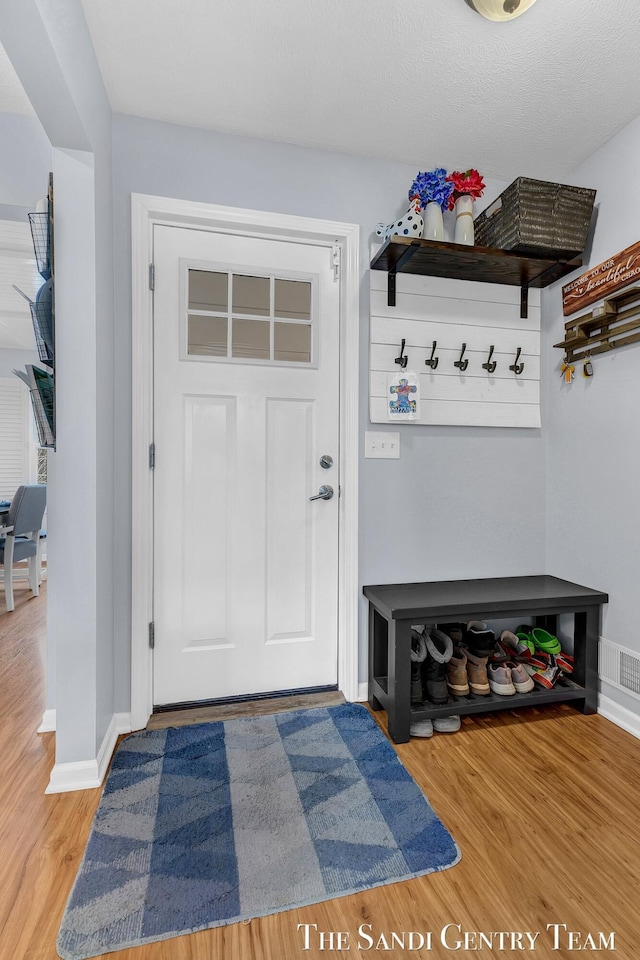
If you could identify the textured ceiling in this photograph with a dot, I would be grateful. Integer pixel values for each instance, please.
(425, 81)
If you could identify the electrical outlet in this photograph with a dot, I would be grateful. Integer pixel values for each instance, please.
(385, 446)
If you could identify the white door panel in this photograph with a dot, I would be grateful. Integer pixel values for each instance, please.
(208, 426)
(245, 565)
(289, 557)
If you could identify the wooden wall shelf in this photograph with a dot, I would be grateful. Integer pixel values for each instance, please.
(614, 323)
(455, 260)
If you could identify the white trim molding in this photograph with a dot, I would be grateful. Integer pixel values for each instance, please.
(89, 774)
(48, 722)
(147, 212)
(619, 715)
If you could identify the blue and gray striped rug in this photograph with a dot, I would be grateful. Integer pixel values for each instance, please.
(211, 824)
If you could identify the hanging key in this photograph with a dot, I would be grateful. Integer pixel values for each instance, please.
(567, 370)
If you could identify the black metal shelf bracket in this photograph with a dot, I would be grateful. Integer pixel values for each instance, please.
(391, 288)
(540, 281)
(398, 265)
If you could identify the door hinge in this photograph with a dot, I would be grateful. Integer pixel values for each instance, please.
(152, 276)
(152, 456)
(152, 634)
(335, 261)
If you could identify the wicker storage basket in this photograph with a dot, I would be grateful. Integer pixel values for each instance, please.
(536, 218)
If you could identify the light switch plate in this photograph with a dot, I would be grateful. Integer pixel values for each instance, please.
(385, 446)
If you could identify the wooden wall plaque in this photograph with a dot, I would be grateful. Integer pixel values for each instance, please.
(603, 280)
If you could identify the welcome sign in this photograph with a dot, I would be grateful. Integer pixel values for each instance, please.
(602, 280)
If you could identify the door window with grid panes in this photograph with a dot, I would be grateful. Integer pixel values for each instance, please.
(249, 318)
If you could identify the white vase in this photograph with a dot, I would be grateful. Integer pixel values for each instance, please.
(463, 208)
(433, 225)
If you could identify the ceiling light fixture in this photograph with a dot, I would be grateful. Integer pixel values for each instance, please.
(500, 9)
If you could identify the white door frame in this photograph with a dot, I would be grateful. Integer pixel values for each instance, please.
(146, 212)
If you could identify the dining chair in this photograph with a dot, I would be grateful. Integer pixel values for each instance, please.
(22, 541)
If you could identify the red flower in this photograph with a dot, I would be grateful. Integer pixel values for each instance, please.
(470, 182)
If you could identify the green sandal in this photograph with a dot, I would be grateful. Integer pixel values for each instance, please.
(523, 633)
(545, 641)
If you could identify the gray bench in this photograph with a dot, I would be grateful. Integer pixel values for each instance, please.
(393, 608)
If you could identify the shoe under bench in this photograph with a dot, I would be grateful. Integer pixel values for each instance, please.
(539, 600)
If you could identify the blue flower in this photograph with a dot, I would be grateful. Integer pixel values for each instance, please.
(432, 187)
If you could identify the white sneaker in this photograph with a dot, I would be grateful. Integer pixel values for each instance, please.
(447, 724)
(421, 728)
(500, 679)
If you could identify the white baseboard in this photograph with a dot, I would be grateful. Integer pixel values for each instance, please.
(622, 717)
(48, 723)
(123, 723)
(88, 774)
(363, 692)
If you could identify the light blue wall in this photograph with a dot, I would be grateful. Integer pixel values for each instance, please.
(593, 453)
(24, 175)
(472, 501)
(11, 360)
(10, 211)
(50, 48)
(26, 162)
(460, 502)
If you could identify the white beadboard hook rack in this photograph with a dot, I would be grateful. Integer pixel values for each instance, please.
(443, 311)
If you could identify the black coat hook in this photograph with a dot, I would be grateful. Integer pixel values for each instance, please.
(515, 366)
(432, 361)
(402, 360)
(462, 364)
(490, 365)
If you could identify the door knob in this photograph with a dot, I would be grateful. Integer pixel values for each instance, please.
(324, 493)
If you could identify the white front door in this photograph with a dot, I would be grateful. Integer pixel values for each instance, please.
(246, 404)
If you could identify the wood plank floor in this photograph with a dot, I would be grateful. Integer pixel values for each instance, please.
(544, 806)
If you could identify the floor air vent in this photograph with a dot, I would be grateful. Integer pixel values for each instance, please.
(620, 667)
